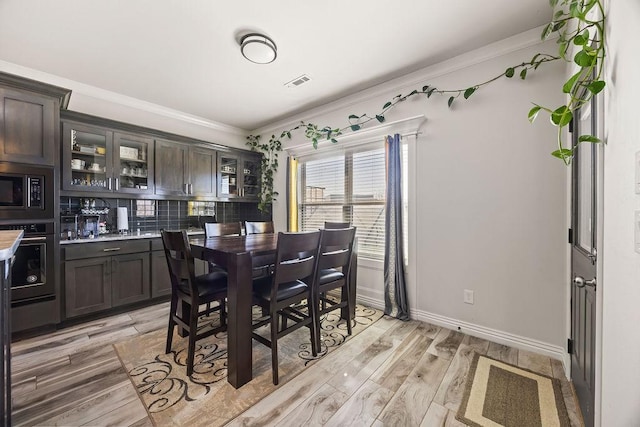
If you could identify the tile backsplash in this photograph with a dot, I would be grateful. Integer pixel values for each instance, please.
(153, 215)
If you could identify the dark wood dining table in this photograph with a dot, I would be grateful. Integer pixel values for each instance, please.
(238, 255)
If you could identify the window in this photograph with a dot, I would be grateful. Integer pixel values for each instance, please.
(346, 187)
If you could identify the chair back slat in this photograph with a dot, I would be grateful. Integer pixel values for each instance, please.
(253, 227)
(215, 229)
(179, 258)
(296, 257)
(336, 246)
(333, 225)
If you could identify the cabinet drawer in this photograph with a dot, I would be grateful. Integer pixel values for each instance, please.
(94, 249)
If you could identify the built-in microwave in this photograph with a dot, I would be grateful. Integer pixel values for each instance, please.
(26, 192)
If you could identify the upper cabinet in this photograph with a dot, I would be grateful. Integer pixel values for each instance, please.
(29, 120)
(238, 175)
(97, 159)
(185, 170)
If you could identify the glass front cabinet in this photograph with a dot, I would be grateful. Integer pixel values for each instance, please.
(238, 176)
(96, 159)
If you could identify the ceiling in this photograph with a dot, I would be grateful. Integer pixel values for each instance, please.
(184, 55)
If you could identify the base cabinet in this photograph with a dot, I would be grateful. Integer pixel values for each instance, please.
(95, 281)
(160, 282)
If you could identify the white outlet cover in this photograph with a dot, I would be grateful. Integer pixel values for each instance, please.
(636, 228)
(637, 182)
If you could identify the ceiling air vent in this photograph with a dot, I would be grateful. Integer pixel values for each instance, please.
(298, 81)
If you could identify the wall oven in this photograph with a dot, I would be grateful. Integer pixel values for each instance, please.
(32, 275)
(26, 192)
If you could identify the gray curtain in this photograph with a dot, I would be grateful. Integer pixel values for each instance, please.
(395, 288)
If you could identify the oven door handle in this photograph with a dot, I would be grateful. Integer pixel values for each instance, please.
(34, 239)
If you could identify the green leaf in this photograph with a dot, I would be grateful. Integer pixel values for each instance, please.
(413, 92)
(588, 138)
(596, 86)
(387, 105)
(558, 14)
(564, 153)
(553, 3)
(509, 72)
(379, 118)
(450, 101)
(523, 74)
(546, 31)
(583, 59)
(424, 88)
(353, 116)
(533, 113)
(355, 127)
(562, 49)
(574, 9)
(558, 25)
(315, 143)
(561, 116)
(469, 92)
(533, 60)
(431, 92)
(580, 40)
(334, 140)
(566, 88)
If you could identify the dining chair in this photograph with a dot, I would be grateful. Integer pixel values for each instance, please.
(287, 293)
(215, 229)
(333, 225)
(192, 292)
(253, 227)
(332, 272)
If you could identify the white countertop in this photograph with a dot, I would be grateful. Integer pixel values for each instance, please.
(9, 241)
(130, 236)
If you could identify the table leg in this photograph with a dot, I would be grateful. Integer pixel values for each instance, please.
(239, 296)
(353, 278)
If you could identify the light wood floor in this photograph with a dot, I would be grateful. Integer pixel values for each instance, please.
(392, 374)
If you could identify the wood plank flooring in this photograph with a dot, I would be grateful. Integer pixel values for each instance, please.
(392, 374)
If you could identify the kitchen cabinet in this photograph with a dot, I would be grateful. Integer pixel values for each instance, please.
(30, 120)
(102, 275)
(185, 170)
(160, 281)
(238, 175)
(99, 159)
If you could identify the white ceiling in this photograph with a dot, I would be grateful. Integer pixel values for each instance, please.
(184, 55)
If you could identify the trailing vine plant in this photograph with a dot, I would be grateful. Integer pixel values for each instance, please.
(578, 26)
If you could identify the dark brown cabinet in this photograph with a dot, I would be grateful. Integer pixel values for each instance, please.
(97, 159)
(29, 120)
(160, 282)
(102, 275)
(185, 170)
(238, 175)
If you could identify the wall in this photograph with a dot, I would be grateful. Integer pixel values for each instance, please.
(102, 103)
(620, 284)
(491, 201)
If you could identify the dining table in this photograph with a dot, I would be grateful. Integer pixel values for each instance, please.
(239, 256)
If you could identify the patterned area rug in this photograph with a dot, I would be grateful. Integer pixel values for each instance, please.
(172, 398)
(500, 394)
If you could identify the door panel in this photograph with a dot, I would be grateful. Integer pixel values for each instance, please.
(583, 261)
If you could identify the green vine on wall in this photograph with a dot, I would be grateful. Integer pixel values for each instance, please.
(575, 29)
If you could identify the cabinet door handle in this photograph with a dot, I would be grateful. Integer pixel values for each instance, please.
(185, 188)
(117, 180)
(110, 249)
(190, 188)
(109, 184)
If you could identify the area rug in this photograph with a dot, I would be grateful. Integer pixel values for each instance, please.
(172, 398)
(500, 394)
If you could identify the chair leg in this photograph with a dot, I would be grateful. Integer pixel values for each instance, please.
(274, 347)
(223, 312)
(346, 289)
(172, 324)
(315, 325)
(193, 331)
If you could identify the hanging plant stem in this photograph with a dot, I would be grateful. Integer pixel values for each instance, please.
(572, 24)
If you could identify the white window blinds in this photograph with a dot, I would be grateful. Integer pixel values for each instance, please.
(346, 187)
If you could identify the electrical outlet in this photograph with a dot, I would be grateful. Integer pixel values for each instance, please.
(468, 296)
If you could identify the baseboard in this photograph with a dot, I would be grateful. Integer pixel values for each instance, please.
(494, 335)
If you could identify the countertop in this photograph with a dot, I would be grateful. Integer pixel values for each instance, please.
(130, 236)
(9, 241)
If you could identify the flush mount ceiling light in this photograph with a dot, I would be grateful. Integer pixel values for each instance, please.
(258, 48)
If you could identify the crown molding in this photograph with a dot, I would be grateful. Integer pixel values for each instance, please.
(512, 44)
(405, 127)
(116, 98)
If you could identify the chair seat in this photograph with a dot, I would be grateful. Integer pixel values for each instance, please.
(209, 284)
(329, 275)
(262, 289)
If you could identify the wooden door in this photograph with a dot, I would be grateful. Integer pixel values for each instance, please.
(87, 285)
(202, 172)
(130, 278)
(583, 261)
(171, 173)
(133, 164)
(28, 128)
